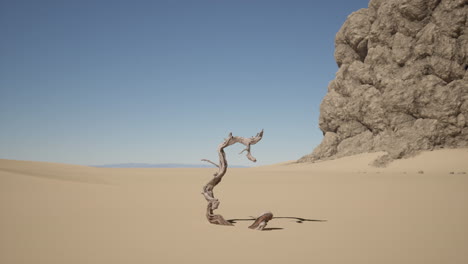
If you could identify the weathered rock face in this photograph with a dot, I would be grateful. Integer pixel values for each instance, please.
(402, 83)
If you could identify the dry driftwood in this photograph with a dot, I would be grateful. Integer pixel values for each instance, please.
(261, 221)
(213, 203)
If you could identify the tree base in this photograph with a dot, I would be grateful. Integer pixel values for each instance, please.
(218, 220)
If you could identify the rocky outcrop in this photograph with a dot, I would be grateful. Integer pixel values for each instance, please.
(402, 83)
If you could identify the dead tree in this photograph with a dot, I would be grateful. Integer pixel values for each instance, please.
(213, 203)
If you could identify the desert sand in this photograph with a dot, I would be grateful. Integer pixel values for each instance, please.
(413, 211)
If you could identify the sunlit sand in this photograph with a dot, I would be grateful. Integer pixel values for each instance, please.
(339, 211)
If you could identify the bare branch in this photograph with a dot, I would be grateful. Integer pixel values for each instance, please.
(209, 161)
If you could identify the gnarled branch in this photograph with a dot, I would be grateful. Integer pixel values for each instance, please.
(213, 203)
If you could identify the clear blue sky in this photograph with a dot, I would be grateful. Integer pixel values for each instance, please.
(98, 82)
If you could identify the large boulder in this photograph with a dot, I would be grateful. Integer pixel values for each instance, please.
(402, 83)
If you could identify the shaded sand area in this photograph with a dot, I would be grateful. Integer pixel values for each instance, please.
(414, 211)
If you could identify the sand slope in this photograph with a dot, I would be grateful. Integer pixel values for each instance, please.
(56, 213)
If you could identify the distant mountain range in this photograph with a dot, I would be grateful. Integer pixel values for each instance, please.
(161, 165)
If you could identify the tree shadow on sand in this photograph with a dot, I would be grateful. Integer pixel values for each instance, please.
(298, 220)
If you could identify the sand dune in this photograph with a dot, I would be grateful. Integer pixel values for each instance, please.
(339, 211)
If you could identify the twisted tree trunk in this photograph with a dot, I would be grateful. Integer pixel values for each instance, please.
(213, 203)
